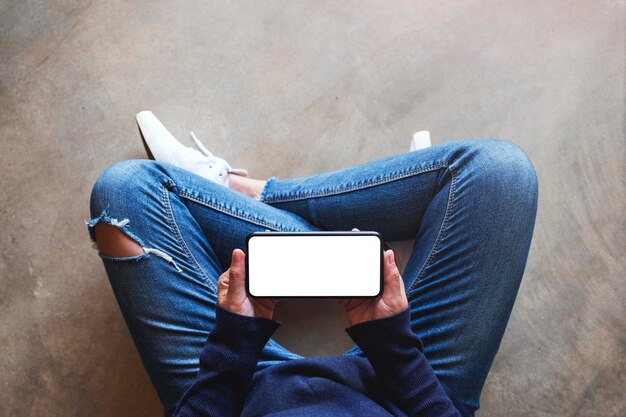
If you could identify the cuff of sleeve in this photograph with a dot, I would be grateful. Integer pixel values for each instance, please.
(242, 332)
(388, 330)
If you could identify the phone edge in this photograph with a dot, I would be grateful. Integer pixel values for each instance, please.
(320, 232)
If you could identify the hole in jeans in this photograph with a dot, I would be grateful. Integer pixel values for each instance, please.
(112, 239)
(112, 242)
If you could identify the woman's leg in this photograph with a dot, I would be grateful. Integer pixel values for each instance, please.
(471, 206)
(182, 230)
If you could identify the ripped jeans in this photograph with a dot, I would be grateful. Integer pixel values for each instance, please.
(469, 204)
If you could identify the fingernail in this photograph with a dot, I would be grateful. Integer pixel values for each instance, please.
(391, 258)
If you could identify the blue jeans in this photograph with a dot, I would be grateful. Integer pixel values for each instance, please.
(469, 204)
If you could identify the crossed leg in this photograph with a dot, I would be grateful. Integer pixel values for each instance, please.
(470, 205)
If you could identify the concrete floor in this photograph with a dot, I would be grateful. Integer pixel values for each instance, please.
(292, 89)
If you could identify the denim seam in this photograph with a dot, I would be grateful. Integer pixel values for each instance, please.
(444, 225)
(232, 213)
(179, 237)
(403, 174)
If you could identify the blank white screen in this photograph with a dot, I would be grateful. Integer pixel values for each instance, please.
(314, 266)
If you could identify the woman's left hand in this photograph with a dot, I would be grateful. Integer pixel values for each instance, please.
(231, 291)
(392, 301)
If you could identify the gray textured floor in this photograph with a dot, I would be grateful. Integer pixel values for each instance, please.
(293, 89)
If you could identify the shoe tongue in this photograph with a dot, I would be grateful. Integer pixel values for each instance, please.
(195, 158)
(196, 151)
(212, 165)
(206, 166)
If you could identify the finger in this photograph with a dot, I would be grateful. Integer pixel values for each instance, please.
(394, 285)
(354, 229)
(222, 288)
(392, 278)
(237, 274)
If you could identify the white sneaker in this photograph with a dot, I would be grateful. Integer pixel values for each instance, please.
(162, 146)
(420, 140)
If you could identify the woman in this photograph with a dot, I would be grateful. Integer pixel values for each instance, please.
(169, 232)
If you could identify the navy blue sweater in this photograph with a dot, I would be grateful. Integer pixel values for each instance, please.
(394, 380)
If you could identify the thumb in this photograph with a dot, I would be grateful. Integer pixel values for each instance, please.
(237, 274)
(392, 278)
(394, 292)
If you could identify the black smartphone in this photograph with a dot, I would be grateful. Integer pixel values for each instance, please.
(314, 264)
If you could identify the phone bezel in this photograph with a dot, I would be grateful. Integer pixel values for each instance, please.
(318, 233)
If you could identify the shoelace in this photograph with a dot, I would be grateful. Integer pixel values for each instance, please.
(200, 146)
(212, 158)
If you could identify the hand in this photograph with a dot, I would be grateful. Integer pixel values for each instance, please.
(391, 302)
(231, 291)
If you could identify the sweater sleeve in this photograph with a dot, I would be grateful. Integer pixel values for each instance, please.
(227, 363)
(396, 354)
